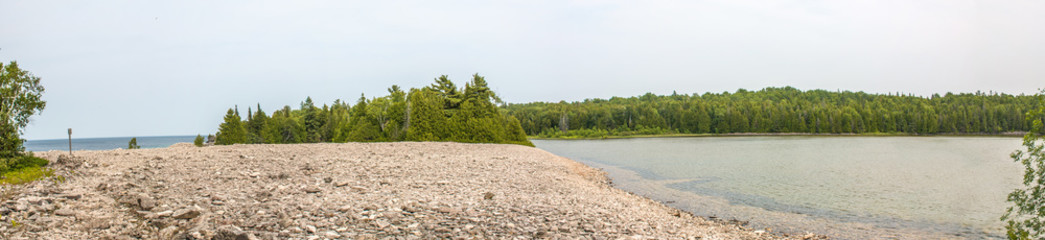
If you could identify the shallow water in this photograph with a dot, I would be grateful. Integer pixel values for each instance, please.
(955, 186)
(103, 143)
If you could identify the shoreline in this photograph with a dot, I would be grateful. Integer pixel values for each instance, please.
(792, 223)
(352, 190)
(686, 135)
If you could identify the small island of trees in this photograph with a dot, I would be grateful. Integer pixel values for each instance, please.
(440, 112)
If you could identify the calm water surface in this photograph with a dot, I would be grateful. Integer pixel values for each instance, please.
(951, 185)
(104, 143)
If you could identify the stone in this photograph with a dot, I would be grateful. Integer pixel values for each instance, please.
(488, 196)
(359, 188)
(36, 200)
(340, 184)
(144, 202)
(229, 232)
(381, 223)
(65, 212)
(70, 196)
(411, 209)
(447, 210)
(167, 213)
(186, 213)
(310, 229)
(21, 206)
(312, 189)
(331, 234)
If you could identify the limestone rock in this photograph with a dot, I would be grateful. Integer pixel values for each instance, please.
(186, 213)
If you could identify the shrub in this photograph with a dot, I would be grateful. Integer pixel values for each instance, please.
(133, 144)
(20, 162)
(199, 140)
(26, 175)
(1026, 218)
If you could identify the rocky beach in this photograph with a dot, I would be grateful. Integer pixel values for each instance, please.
(405, 190)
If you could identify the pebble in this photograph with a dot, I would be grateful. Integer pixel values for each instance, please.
(65, 212)
(186, 213)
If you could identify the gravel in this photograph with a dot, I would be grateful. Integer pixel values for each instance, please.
(403, 190)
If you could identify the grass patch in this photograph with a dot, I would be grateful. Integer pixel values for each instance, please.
(20, 162)
(26, 175)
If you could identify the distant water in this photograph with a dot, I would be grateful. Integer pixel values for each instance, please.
(954, 186)
(103, 143)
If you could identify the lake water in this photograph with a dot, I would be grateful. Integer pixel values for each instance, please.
(103, 143)
(846, 187)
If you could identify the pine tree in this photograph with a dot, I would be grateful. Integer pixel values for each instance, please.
(232, 130)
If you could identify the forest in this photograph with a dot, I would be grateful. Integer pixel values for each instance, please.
(439, 112)
(778, 110)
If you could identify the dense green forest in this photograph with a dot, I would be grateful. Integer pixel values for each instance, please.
(777, 110)
(440, 112)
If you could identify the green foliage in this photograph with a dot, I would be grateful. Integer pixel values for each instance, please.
(133, 144)
(232, 130)
(256, 125)
(198, 141)
(777, 110)
(20, 98)
(440, 112)
(1026, 219)
(19, 162)
(25, 175)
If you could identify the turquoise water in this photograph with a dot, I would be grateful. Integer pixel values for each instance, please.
(954, 186)
(103, 143)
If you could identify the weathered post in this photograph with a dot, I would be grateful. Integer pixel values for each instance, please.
(70, 142)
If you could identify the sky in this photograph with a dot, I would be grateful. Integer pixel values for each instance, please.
(160, 68)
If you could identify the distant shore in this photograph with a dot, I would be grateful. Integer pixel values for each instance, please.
(681, 135)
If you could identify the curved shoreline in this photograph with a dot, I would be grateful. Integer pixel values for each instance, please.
(758, 218)
(353, 190)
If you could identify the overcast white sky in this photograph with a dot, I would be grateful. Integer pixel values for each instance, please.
(148, 68)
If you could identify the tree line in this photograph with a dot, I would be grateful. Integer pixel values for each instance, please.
(778, 110)
(439, 112)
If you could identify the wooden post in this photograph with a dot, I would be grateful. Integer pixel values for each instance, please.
(70, 142)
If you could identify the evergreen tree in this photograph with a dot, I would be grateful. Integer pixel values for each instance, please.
(439, 112)
(778, 110)
(133, 144)
(232, 130)
(447, 91)
(426, 120)
(256, 125)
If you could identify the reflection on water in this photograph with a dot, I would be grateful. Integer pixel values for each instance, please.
(944, 185)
